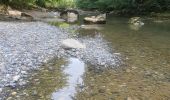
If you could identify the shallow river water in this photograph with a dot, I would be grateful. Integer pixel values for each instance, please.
(144, 75)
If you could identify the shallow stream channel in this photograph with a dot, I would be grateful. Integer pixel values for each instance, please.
(124, 63)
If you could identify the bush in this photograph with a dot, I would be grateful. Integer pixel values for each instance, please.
(41, 3)
(18, 3)
(56, 3)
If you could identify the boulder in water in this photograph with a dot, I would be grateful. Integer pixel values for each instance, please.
(136, 21)
(70, 15)
(72, 44)
(100, 19)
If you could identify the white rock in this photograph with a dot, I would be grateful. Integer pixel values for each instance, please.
(16, 78)
(14, 13)
(72, 44)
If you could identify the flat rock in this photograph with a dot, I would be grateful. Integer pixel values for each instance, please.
(100, 19)
(72, 44)
(14, 13)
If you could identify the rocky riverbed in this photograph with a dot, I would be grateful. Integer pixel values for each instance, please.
(25, 46)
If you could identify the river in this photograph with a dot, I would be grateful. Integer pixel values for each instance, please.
(144, 74)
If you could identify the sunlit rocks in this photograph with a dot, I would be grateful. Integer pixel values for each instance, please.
(99, 19)
(72, 44)
(14, 13)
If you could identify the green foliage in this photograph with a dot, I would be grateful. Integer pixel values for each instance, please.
(102, 5)
(41, 3)
(18, 3)
(125, 5)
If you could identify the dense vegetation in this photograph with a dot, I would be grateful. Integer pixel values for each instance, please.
(125, 6)
(41, 3)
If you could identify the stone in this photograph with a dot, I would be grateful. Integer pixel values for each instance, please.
(16, 78)
(13, 93)
(27, 16)
(99, 19)
(129, 98)
(136, 21)
(70, 15)
(72, 44)
(14, 13)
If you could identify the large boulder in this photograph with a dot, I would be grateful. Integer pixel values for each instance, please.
(70, 15)
(99, 19)
(72, 44)
(19, 15)
(14, 13)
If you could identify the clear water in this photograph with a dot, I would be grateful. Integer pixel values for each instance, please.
(145, 74)
(74, 70)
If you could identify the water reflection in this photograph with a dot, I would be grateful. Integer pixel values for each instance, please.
(75, 70)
